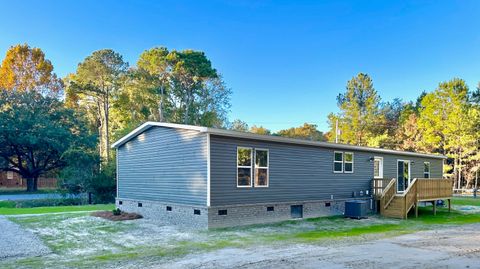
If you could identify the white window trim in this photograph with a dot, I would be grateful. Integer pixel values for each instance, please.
(380, 169)
(251, 168)
(335, 161)
(261, 167)
(352, 162)
(429, 168)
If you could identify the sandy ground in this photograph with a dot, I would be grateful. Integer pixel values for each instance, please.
(446, 248)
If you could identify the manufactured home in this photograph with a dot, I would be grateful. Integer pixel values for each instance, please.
(206, 177)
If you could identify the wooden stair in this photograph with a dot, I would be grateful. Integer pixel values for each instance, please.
(395, 205)
(396, 208)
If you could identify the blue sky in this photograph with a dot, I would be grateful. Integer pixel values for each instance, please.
(285, 61)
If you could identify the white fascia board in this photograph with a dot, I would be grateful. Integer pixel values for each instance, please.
(147, 125)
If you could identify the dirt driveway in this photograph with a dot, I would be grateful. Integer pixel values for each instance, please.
(444, 248)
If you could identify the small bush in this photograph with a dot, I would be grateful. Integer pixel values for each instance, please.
(7, 204)
(49, 202)
(117, 212)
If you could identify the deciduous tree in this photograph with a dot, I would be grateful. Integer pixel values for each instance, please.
(306, 131)
(26, 69)
(38, 134)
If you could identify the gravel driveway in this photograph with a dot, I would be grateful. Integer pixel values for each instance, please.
(17, 242)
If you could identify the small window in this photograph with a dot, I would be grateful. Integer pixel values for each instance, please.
(348, 168)
(196, 211)
(222, 212)
(327, 204)
(261, 168)
(270, 208)
(244, 167)
(9, 175)
(378, 167)
(120, 202)
(169, 208)
(140, 204)
(338, 162)
(426, 170)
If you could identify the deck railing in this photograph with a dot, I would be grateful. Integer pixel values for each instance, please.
(388, 194)
(434, 188)
(420, 189)
(378, 185)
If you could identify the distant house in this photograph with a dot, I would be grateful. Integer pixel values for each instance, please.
(13, 180)
(207, 177)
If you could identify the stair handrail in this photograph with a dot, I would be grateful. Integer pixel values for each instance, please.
(414, 181)
(385, 199)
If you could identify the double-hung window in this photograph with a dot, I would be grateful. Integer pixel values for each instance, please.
(338, 162)
(252, 167)
(348, 162)
(342, 162)
(261, 168)
(244, 167)
(426, 170)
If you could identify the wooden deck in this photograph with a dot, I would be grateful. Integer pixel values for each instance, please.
(398, 205)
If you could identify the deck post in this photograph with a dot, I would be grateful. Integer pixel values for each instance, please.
(434, 207)
(416, 209)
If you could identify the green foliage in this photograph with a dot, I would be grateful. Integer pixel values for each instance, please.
(238, 125)
(93, 90)
(55, 209)
(447, 121)
(359, 112)
(174, 86)
(306, 131)
(49, 202)
(38, 134)
(8, 204)
(117, 212)
(103, 184)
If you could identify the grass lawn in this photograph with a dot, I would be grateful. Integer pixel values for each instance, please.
(466, 201)
(6, 209)
(79, 240)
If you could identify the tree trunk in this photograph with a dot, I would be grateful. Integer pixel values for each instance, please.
(107, 136)
(35, 183)
(31, 184)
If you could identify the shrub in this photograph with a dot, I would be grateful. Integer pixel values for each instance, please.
(50, 202)
(117, 212)
(103, 185)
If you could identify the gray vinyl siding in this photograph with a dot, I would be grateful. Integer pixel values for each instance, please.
(164, 165)
(297, 173)
(416, 169)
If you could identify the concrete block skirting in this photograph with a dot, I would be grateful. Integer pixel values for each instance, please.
(228, 216)
(257, 214)
(180, 215)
